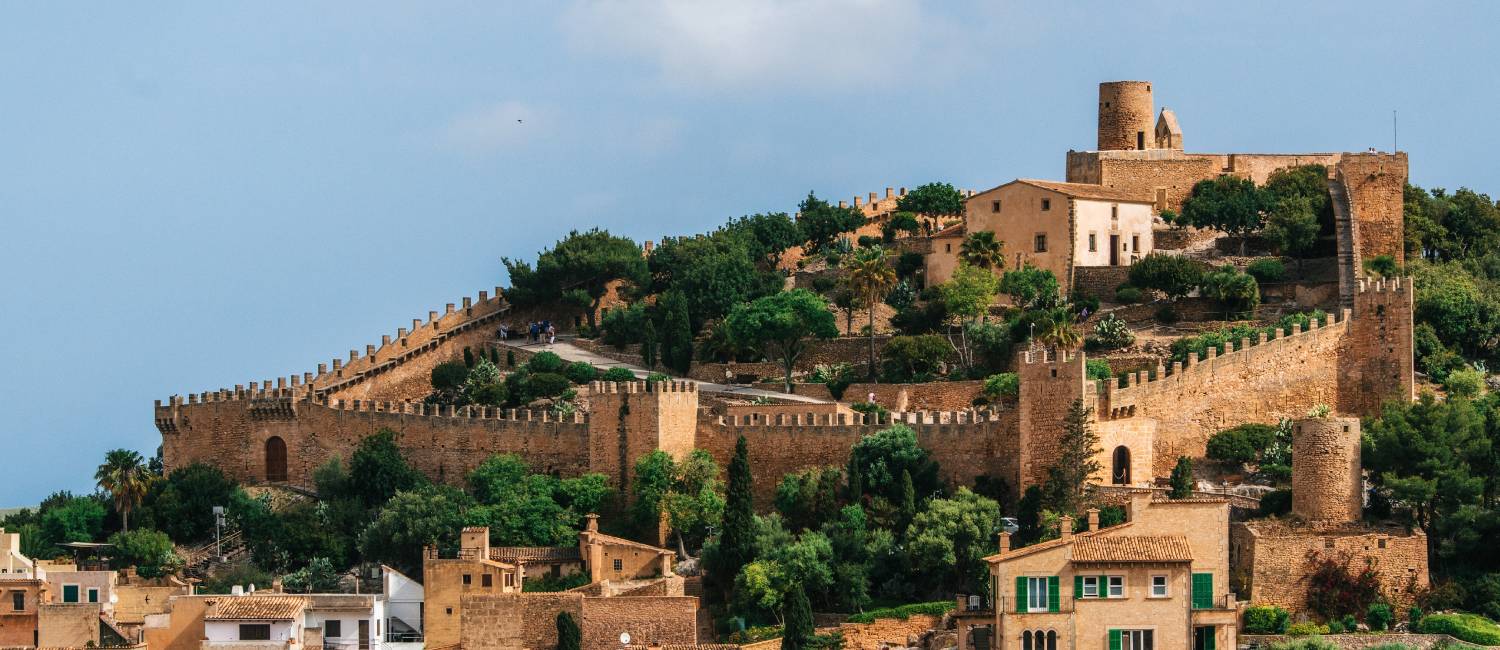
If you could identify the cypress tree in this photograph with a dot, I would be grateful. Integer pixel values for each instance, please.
(677, 339)
(569, 637)
(799, 620)
(648, 344)
(736, 543)
(468, 358)
(908, 501)
(510, 358)
(1067, 486)
(1182, 478)
(856, 483)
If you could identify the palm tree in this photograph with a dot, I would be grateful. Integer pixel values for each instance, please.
(981, 249)
(869, 278)
(124, 476)
(1058, 330)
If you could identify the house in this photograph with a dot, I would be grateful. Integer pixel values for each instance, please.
(23, 590)
(246, 621)
(347, 621)
(615, 558)
(446, 580)
(403, 606)
(1159, 580)
(942, 254)
(1060, 227)
(540, 562)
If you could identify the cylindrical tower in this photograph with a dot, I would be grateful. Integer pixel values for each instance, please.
(1125, 113)
(1326, 481)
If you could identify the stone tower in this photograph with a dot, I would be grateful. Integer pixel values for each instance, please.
(1051, 380)
(1125, 116)
(1326, 481)
(631, 419)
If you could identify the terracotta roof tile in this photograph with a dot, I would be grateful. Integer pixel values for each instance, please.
(513, 554)
(1054, 543)
(1088, 191)
(257, 608)
(955, 230)
(620, 541)
(1133, 548)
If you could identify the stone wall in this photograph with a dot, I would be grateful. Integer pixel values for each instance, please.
(1100, 281)
(1375, 182)
(884, 632)
(1326, 476)
(1271, 560)
(512, 621)
(68, 625)
(655, 620)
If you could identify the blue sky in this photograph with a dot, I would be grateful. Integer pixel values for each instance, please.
(194, 195)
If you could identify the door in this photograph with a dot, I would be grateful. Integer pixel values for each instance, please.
(275, 460)
(1114, 250)
(364, 634)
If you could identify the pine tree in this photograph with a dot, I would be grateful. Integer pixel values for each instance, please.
(736, 543)
(569, 637)
(1067, 485)
(799, 619)
(1182, 478)
(648, 344)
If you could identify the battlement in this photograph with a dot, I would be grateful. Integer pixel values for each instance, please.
(1384, 285)
(1040, 355)
(918, 418)
(671, 386)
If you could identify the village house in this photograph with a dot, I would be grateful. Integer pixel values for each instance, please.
(1159, 580)
(23, 589)
(252, 621)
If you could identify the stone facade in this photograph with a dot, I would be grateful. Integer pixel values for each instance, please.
(1272, 559)
(1125, 112)
(1326, 476)
(886, 632)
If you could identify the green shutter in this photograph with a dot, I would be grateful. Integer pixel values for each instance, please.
(1203, 590)
(70, 593)
(1114, 640)
(1054, 594)
(1103, 587)
(1077, 587)
(1020, 594)
(1209, 637)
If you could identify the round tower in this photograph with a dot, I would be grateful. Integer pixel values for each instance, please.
(1326, 482)
(1125, 114)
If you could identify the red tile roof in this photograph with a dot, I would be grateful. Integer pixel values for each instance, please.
(514, 554)
(257, 608)
(1088, 191)
(1132, 548)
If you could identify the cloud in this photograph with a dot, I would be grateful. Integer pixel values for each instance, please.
(500, 126)
(836, 45)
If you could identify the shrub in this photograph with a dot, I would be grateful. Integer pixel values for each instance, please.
(1173, 275)
(1382, 265)
(1275, 502)
(657, 377)
(913, 358)
(908, 264)
(1336, 589)
(824, 283)
(1466, 382)
(1236, 292)
(623, 326)
(1128, 294)
(1112, 333)
(1265, 619)
(868, 408)
(1267, 269)
(1241, 444)
(449, 374)
(1306, 628)
(1336, 627)
(868, 241)
(1005, 384)
(545, 385)
(903, 612)
(1314, 643)
(581, 372)
(510, 358)
(1379, 616)
(618, 374)
(1472, 628)
(545, 362)
(468, 357)
(149, 551)
(1098, 369)
(836, 376)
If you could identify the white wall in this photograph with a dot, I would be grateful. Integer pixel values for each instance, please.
(1133, 226)
(229, 631)
(403, 597)
(349, 625)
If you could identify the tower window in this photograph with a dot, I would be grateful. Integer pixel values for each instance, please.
(1046, 204)
(994, 206)
(1041, 242)
(1093, 242)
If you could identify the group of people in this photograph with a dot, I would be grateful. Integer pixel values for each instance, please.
(535, 332)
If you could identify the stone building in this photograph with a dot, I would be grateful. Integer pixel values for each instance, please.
(1274, 558)
(1151, 582)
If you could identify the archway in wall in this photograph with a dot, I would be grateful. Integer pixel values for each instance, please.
(1120, 472)
(275, 460)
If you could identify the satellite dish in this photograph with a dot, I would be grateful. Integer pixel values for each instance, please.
(624, 638)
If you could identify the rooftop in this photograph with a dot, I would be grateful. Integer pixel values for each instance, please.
(1132, 548)
(515, 554)
(1087, 190)
(257, 608)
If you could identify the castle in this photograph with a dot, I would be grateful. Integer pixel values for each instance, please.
(1361, 355)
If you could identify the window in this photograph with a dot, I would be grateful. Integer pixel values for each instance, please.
(70, 593)
(619, 566)
(1203, 590)
(1090, 586)
(1093, 242)
(948, 247)
(994, 206)
(18, 600)
(487, 580)
(1041, 242)
(255, 631)
(1114, 212)
(1158, 586)
(468, 580)
(1039, 640)
(1380, 543)
(1037, 594)
(510, 579)
(1135, 243)
(333, 628)
(1117, 586)
(1046, 204)
(93, 595)
(1132, 640)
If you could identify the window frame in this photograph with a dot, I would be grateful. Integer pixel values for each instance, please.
(1037, 596)
(333, 628)
(1090, 582)
(618, 564)
(486, 580)
(91, 594)
(77, 592)
(1093, 242)
(468, 579)
(1039, 242)
(1138, 639)
(995, 206)
(1046, 205)
(18, 601)
(1166, 586)
(1111, 582)
(256, 627)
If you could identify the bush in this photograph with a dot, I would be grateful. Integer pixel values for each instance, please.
(903, 612)
(1382, 265)
(623, 326)
(618, 374)
(1241, 444)
(149, 551)
(655, 377)
(1472, 628)
(1267, 269)
(1234, 291)
(1466, 382)
(449, 375)
(1314, 643)
(836, 376)
(1098, 369)
(1128, 294)
(1275, 502)
(1112, 333)
(1265, 619)
(545, 362)
(1379, 616)
(908, 264)
(1305, 629)
(913, 358)
(544, 385)
(1005, 384)
(1173, 275)
(581, 372)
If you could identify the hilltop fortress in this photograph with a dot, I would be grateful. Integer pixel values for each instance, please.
(280, 431)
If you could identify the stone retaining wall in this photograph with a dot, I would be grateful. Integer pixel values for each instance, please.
(890, 631)
(1355, 641)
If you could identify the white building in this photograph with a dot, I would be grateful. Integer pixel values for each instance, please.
(255, 623)
(404, 611)
(13, 564)
(348, 621)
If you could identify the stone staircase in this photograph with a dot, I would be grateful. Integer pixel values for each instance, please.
(1344, 227)
(200, 561)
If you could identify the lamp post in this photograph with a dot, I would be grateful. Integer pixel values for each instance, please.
(218, 529)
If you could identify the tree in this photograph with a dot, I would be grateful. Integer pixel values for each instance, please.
(1182, 478)
(933, 200)
(428, 515)
(881, 457)
(770, 235)
(1067, 486)
(677, 345)
(821, 223)
(713, 274)
(1428, 458)
(870, 278)
(123, 475)
(1238, 293)
(799, 620)
(578, 269)
(695, 502)
(1058, 330)
(736, 543)
(900, 222)
(523, 508)
(1173, 275)
(981, 250)
(1306, 184)
(809, 498)
(378, 469)
(1031, 288)
(149, 551)
(569, 636)
(648, 343)
(182, 505)
(780, 325)
(318, 577)
(485, 386)
(914, 358)
(1229, 204)
(948, 542)
(1292, 227)
(80, 519)
(968, 295)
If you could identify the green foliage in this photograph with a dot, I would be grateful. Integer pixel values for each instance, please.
(1428, 458)
(449, 374)
(1228, 339)
(1173, 275)
(468, 357)
(903, 612)
(1229, 204)
(123, 476)
(318, 577)
(650, 343)
(1307, 628)
(713, 273)
(618, 375)
(545, 385)
(485, 386)
(948, 541)
(1266, 269)
(236, 574)
(1097, 370)
(1112, 333)
(409, 521)
(149, 551)
(1236, 292)
(1471, 628)
(1182, 478)
(622, 326)
(933, 199)
(578, 269)
(1336, 589)
(980, 249)
(1379, 616)
(522, 508)
(810, 497)
(1312, 643)
(1383, 265)
(868, 277)
(1305, 182)
(1464, 382)
(991, 344)
(908, 264)
(881, 457)
(1031, 288)
(914, 358)
(1462, 309)
(549, 584)
(581, 372)
(1292, 226)
(378, 469)
(510, 358)
(766, 236)
(898, 223)
(780, 325)
(837, 376)
(821, 223)
(1240, 445)
(80, 519)
(182, 505)
(1067, 486)
(545, 361)
(1275, 503)
(1005, 384)
(799, 619)
(677, 333)
(1128, 295)
(736, 543)
(1432, 356)
(569, 635)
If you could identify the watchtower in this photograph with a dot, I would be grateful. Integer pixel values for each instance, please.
(1125, 116)
(1326, 480)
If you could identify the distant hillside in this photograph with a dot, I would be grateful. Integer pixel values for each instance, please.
(6, 512)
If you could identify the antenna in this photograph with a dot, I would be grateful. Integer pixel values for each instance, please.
(1394, 141)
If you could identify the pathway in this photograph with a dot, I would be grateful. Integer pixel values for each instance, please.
(570, 352)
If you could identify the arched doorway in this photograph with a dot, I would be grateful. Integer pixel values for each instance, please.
(1120, 474)
(276, 460)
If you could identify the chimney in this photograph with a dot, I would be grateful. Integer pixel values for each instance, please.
(1065, 527)
(1093, 518)
(593, 525)
(1004, 543)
